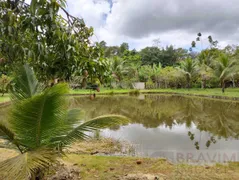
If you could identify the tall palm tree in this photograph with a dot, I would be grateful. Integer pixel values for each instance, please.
(225, 68)
(188, 68)
(40, 125)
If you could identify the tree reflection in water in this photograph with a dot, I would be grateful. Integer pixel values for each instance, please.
(218, 118)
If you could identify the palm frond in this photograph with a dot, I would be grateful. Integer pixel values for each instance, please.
(24, 166)
(25, 84)
(37, 120)
(6, 133)
(74, 116)
(225, 67)
(101, 122)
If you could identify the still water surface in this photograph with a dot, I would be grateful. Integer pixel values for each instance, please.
(175, 127)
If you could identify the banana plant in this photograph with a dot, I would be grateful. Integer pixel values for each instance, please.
(40, 125)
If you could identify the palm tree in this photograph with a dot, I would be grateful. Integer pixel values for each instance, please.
(188, 68)
(40, 125)
(204, 66)
(118, 68)
(156, 71)
(225, 68)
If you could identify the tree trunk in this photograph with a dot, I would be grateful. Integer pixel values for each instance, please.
(203, 84)
(223, 86)
(188, 82)
(233, 83)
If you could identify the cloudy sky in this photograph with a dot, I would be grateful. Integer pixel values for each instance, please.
(176, 22)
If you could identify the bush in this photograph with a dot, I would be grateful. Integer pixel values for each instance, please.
(4, 83)
(151, 85)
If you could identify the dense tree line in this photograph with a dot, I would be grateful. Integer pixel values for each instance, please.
(171, 67)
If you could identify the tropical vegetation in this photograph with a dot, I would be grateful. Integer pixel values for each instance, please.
(41, 124)
(59, 48)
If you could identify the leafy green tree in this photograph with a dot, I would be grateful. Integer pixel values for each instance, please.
(132, 57)
(168, 56)
(150, 55)
(103, 45)
(188, 68)
(56, 47)
(40, 125)
(123, 47)
(112, 51)
(132, 62)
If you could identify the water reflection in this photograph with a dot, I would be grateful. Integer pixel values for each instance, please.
(170, 122)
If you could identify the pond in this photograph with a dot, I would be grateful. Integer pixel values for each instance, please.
(181, 129)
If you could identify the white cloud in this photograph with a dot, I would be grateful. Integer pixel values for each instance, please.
(175, 22)
(92, 11)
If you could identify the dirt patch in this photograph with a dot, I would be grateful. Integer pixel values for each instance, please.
(105, 146)
(64, 171)
(141, 176)
(7, 154)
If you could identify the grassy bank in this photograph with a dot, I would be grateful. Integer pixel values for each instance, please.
(4, 98)
(107, 167)
(230, 92)
(100, 167)
(126, 168)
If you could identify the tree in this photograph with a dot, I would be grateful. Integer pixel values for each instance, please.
(150, 55)
(156, 42)
(103, 45)
(212, 43)
(123, 47)
(171, 77)
(4, 83)
(145, 73)
(40, 125)
(188, 68)
(56, 47)
(118, 68)
(225, 69)
(168, 56)
(205, 62)
(112, 51)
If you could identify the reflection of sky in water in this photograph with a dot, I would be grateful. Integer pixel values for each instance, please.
(162, 138)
